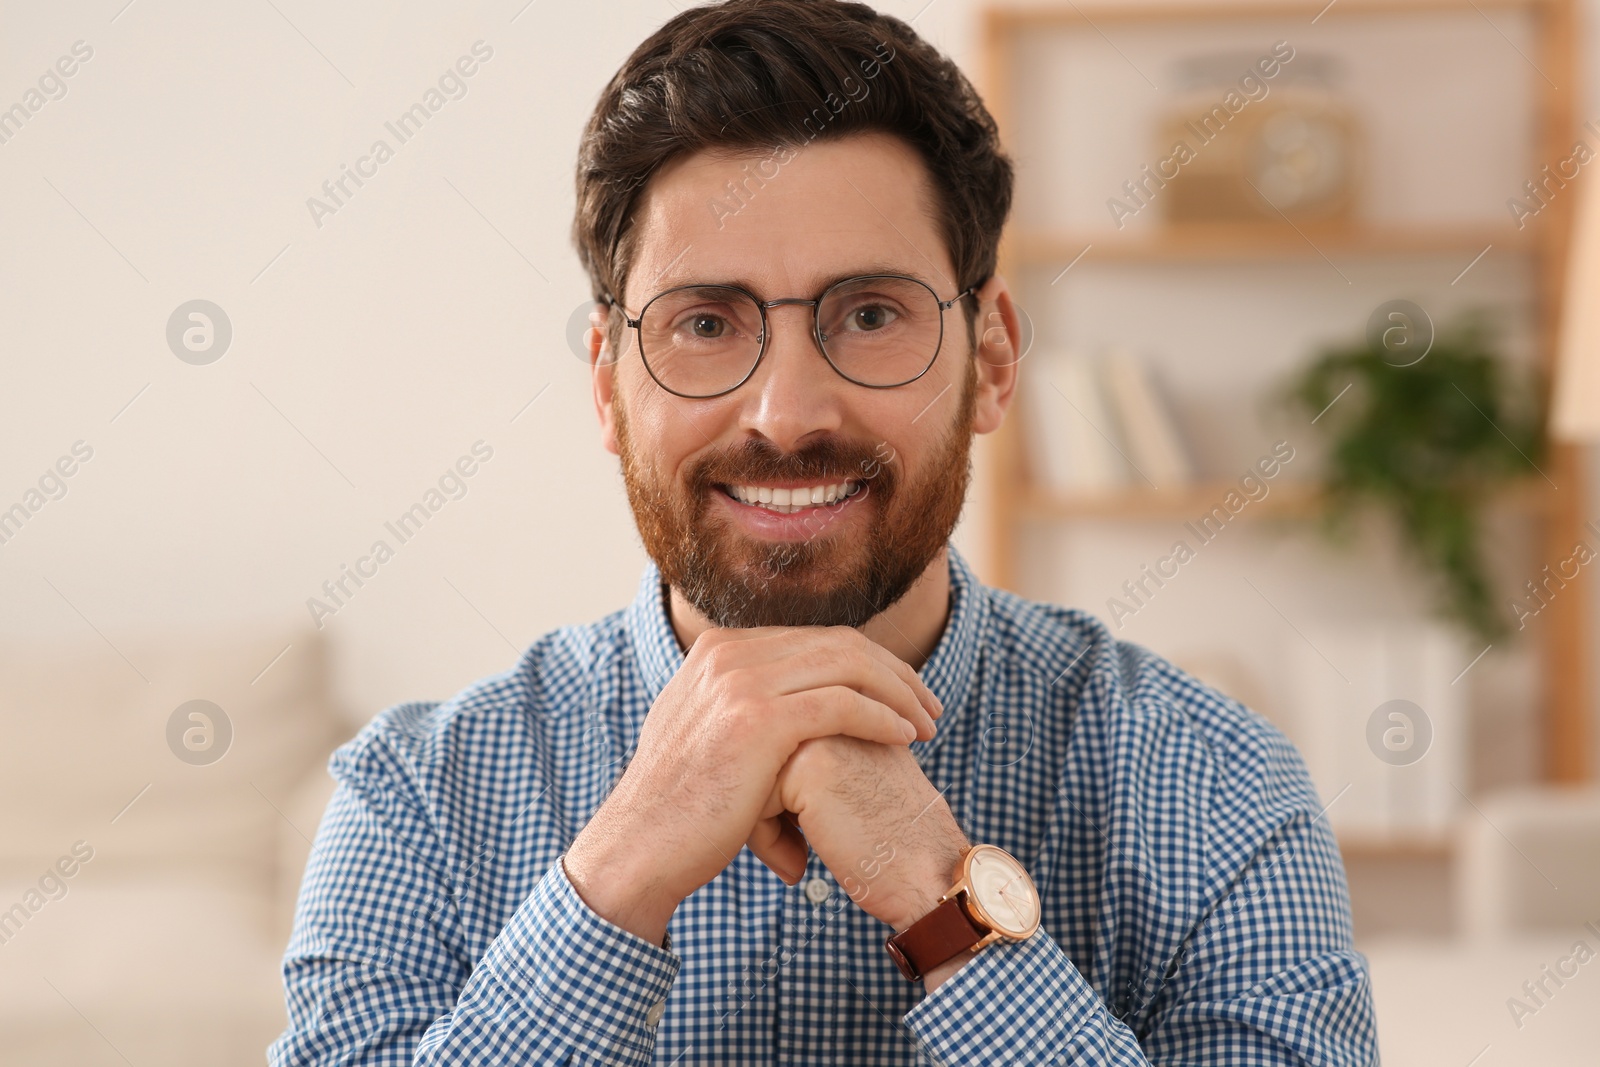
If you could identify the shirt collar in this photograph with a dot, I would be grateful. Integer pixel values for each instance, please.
(948, 672)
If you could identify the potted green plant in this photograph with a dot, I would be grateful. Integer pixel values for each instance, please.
(1427, 439)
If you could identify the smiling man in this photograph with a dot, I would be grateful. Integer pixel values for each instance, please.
(817, 795)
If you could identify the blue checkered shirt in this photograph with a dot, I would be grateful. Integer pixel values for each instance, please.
(1195, 907)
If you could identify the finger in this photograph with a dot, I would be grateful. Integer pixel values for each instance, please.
(775, 642)
(927, 696)
(895, 666)
(774, 805)
(818, 664)
(771, 843)
(777, 843)
(812, 657)
(790, 828)
(903, 671)
(816, 656)
(839, 709)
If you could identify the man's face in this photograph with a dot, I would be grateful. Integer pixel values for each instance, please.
(882, 473)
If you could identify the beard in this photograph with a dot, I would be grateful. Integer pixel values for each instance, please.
(845, 580)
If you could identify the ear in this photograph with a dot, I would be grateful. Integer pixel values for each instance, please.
(998, 355)
(602, 375)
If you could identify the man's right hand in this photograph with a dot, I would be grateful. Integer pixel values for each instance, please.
(710, 752)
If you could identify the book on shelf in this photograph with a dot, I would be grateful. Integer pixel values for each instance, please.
(1100, 425)
(1382, 743)
(1149, 432)
(1073, 436)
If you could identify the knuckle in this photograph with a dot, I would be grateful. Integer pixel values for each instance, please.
(750, 685)
(816, 754)
(811, 702)
(711, 649)
(835, 636)
(733, 689)
(802, 761)
(728, 723)
(736, 726)
(820, 707)
(816, 656)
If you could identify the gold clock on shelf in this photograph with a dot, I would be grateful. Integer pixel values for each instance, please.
(1241, 146)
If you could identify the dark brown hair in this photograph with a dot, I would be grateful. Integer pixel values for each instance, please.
(770, 74)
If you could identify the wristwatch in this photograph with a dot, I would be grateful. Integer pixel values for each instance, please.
(993, 900)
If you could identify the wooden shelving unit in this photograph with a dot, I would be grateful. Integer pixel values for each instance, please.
(1287, 500)
(1391, 848)
(1266, 242)
(1551, 69)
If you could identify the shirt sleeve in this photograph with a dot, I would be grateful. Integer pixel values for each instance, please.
(1267, 978)
(374, 971)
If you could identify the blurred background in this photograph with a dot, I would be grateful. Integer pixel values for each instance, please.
(1309, 390)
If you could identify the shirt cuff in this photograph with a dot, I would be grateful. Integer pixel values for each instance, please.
(1015, 1002)
(577, 972)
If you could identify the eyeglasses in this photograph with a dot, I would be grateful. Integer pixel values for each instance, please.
(876, 330)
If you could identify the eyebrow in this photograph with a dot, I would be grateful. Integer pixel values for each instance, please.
(825, 282)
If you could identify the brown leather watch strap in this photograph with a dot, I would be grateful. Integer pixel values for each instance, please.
(942, 934)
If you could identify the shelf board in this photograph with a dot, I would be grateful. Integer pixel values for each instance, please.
(1296, 499)
(1394, 847)
(1286, 500)
(1265, 242)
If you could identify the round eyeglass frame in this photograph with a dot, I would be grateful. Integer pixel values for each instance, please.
(816, 328)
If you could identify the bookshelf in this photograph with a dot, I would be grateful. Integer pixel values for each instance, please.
(1041, 242)
(1194, 243)
(1289, 500)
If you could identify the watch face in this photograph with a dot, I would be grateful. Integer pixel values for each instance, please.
(1003, 892)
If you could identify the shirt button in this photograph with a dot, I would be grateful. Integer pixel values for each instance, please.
(653, 1015)
(817, 891)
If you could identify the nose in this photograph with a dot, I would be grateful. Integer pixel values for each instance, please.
(794, 393)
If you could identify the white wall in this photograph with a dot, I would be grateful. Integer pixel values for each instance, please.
(369, 352)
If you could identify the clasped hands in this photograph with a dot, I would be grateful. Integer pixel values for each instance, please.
(776, 738)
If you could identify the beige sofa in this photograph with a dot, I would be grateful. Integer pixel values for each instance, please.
(1514, 989)
(144, 899)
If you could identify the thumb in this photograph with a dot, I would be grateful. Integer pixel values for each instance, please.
(778, 842)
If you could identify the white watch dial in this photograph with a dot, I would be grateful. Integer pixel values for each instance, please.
(1003, 890)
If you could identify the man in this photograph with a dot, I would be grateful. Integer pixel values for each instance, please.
(817, 795)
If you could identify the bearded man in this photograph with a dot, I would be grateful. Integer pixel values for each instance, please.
(817, 795)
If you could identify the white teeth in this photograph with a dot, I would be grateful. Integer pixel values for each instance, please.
(787, 501)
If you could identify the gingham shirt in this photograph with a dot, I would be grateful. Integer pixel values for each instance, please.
(1194, 905)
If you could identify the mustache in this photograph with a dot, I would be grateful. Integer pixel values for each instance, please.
(758, 460)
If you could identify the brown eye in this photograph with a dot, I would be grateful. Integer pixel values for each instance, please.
(871, 317)
(708, 327)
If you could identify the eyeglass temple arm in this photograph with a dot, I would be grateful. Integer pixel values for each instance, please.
(954, 300)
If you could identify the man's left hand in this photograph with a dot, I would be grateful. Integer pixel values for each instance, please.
(873, 818)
